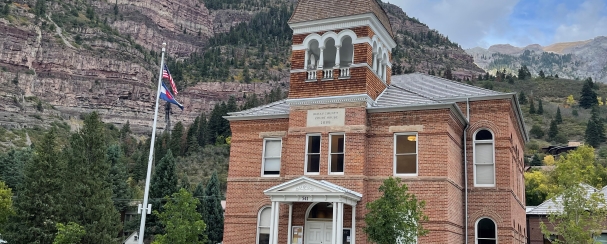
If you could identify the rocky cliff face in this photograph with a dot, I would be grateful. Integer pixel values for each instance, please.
(73, 57)
(573, 60)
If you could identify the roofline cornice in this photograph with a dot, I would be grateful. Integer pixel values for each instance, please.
(451, 106)
(328, 100)
(256, 117)
(515, 105)
(345, 22)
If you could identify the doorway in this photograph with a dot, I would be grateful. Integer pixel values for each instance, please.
(319, 224)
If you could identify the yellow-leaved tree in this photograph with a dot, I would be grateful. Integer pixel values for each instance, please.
(570, 101)
(549, 160)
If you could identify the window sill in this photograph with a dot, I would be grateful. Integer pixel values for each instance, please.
(484, 185)
(313, 80)
(311, 173)
(336, 173)
(270, 176)
(405, 175)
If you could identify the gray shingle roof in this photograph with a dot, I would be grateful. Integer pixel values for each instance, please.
(406, 90)
(308, 10)
(554, 205)
(438, 88)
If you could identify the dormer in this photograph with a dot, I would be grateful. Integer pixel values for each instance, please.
(340, 48)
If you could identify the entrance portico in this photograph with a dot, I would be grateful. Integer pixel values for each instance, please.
(304, 189)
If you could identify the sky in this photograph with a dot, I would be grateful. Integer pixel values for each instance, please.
(482, 23)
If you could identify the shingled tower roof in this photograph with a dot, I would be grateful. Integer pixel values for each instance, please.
(308, 10)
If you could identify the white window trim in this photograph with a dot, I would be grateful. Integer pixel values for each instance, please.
(476, 229)
(258, 220)
(344, 153)
(306, 155)
(263, 156)
(416, 153)
(474, 142)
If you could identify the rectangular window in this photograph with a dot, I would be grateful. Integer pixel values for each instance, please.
(336, 153)
(271, 156)
(313, 154)
(405, 154)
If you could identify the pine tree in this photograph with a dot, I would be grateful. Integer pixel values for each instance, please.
(88, 189)
(180, 219)
(213, 212)
(553, 130)
(536, 161)
(542, 74)
(11, 167)
(531, 106)
(38, 201)
(588, 95)
(558, 117)
(118, 178)
(191, 140)
(203, 131)
(537, 131)
(522, 99)
(592, 137)
(176, 145)
(540, 107)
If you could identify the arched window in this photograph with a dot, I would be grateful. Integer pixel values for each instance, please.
(263, 225)
(486, 231)
(329, 54)
(346, 52)
(313, 55)
(484, 159)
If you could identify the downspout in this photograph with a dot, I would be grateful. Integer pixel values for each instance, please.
(466, 170)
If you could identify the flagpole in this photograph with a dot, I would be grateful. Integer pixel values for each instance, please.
(144, 208)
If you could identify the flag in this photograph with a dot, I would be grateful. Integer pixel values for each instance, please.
(167, 75)
(166, 95)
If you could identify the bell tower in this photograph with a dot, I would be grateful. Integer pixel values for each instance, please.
(340, 49)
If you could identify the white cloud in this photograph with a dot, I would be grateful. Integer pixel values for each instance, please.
(585, 23)
(468, 22)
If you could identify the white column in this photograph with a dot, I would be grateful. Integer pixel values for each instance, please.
(340, 223)
(272, 220)
(334, 222)
(353, 231)
(321, 61)
(375, 62)
(337, 57)
(306, 58)
(289, 225)
(276, 220)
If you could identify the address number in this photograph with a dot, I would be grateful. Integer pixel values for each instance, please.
(305, 198)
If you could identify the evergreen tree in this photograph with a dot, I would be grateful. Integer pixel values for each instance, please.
(542, 74)
(522, 99)
(87, 189)
(588, 95)
(203, 131)
(558, 117)
(213, 212)
(537, 131)
(125, 130)
(191, 140)
(536, 161)
(540, 107)
(176, 145)
(38, 201)
(164, 183)
(531, 106)
(553, 130)
(595, 130)
(118, 178)
(12, 164)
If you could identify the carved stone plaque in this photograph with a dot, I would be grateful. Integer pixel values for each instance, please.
(326, 117)
(304, 187)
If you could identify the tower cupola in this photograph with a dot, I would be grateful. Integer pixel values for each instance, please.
(341, 48)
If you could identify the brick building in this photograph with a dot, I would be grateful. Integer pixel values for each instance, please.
(302, 169)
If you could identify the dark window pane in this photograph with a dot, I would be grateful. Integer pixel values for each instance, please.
(264, 238)
(337, 143)
(406, 144)
(337, 163)
(406, 164)
(486, 228)
(314, 163)
(314, 144)
(484, 135)
(271, 172)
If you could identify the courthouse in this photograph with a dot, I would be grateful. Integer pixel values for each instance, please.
(302, 169)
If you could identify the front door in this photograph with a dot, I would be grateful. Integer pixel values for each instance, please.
(318, 232)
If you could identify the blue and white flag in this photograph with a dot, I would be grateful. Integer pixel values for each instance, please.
(166, 95)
